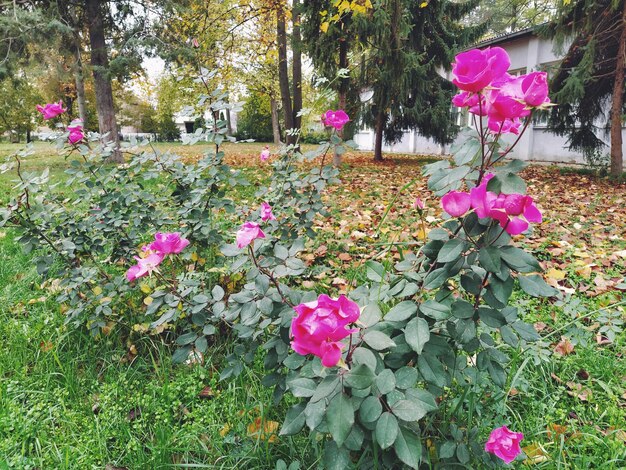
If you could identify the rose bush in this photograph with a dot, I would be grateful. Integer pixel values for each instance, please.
(410, 368)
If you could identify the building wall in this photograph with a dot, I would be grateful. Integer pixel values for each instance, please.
(528, 54)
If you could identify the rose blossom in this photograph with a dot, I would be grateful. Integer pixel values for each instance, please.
(266, 212)
(535, 88)
(475, 69)
(265, 153)
(168, 243)
(456, 203)
(144, 266)
(51, 110)
(336, 119)
(504, 444)
(76, 131)
(247, 233)
(319, 326)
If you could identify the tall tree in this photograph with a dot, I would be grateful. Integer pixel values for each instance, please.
(410, 43)
(590, 79)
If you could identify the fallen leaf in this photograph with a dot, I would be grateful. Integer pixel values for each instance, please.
(564, 347)
(206, 392)
(264, 430)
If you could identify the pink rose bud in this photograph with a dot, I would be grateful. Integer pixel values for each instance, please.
(144, 266)
(474, 70)
(168, 243)
(506, 126)
(51, 110)
(265, 154)
(266, 212)
(248, 232)
(456, 203)
(535, 88)
(76, 131)
(504, 444)
(336, 119)
(319, 326)
(419, 204)
(195, 43)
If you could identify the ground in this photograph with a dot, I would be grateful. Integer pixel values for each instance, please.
(67, 401)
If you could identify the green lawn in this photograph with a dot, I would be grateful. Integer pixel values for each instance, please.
(69, 401)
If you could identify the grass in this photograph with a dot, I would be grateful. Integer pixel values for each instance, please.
(68, 401)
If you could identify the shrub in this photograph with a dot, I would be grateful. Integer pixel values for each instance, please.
(255, 119)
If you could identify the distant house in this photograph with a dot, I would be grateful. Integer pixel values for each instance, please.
(528, 53)
(186, 119)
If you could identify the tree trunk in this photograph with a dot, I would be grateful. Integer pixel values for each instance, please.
(378, 145)
(344, 83)
(79, 78)
(28, 138)
(617, 164)
(229, 123)
(296, 47)
(275, 121)
(102, 81)
(283, 74)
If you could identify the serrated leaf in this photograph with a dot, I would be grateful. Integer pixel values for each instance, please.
(378, 340)
(451, 250)
(535, 285)
(408, 448)
(402, 311)
(340, 417)
(294, 420)
(417, 334)
(359, 377)
(386, 430)
(370, 409)
(489, 258)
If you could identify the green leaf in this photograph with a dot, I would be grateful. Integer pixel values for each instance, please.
(447, 449)
(407, 410)
(435, 310)
(422, 398)
(386, 381)
(370, 315)
(406, 377)
(375, 271)
(386, 430)
(314, 414)
(294, 420)
(360, 377)
(535, 285)
(451, 250)
(336, 457)
(364, 356)
(519, 260)
(340, 417)
(501, 290)
(491, 317)
(527, 332)
(370, 409)
(509, 336)
(408, 448)
(436, 278)
(417, 334)
(378, 340)
(325, 388)
(489, 258)
(462, 453)
(431, 369)
(444, 180)
(507, 183)
(302, 387)
(462, 309)
(469, 150)
(402, 311)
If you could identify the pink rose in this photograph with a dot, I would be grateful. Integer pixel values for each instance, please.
(144, 266)
(265, 154)
(266, 212)
(76, 132)
(469, 100)
(51, 110)
(535, 88)
(319, 326)
(247, 233)
(456, 203)
(506, 99)
(504, 444)
(507, 126)
(336, 119)
(475, 69)
(505, 208)
(168, 243)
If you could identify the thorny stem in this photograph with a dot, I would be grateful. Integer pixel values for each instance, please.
(269, 275)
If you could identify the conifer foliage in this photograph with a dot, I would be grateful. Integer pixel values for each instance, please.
(590, 79)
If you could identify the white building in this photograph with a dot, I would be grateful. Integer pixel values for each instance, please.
(528, 53)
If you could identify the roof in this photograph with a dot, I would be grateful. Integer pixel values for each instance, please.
(520, 33)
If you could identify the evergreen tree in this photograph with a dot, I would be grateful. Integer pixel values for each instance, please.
(590, 79)
(411, 42)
